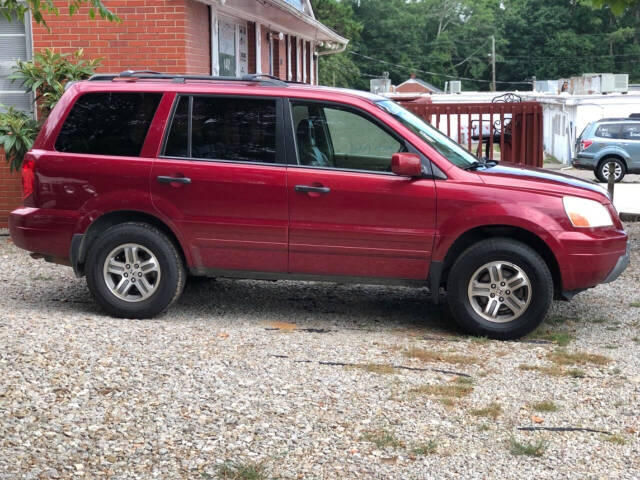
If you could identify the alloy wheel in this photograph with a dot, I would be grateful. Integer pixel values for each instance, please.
(499, 292)
(132, 272)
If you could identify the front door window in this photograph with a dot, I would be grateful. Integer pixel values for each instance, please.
(337, 137)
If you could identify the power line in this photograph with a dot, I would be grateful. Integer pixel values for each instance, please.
(453, 77)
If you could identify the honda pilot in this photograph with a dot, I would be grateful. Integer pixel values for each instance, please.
(138, 180)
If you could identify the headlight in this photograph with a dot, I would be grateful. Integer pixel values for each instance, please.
(586, 213)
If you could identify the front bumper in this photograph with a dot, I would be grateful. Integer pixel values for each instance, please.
(590, 257)
(621, 265)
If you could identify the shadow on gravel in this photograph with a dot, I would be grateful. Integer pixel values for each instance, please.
(311, 306)
(316, 305)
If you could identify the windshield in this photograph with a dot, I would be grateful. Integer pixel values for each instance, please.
(434, 137)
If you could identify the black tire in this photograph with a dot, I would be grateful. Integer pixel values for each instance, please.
(171, 281)
(492, 250)
(600, 169)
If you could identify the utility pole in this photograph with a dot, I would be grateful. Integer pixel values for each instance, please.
(493, 63)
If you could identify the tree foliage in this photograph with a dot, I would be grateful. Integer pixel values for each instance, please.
(18, 8)
(443, 39)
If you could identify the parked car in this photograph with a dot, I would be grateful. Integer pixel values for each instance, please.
(610, 140)
(137, 180)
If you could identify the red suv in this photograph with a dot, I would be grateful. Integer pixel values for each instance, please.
(138, 179)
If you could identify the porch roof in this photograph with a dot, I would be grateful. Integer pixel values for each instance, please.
(281, 16)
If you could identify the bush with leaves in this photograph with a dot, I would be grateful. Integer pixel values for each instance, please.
(18, 130)
(45, 77)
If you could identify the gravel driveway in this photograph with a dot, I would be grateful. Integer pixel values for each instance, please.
(315, 380)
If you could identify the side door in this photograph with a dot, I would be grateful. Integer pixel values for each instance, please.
(349, 214)
(631, 143)
(220, 179)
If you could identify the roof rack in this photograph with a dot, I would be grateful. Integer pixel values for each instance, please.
(260, 78)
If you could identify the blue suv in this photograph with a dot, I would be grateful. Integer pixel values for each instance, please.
(609, 140)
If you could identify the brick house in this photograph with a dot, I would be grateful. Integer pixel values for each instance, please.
(210, 37)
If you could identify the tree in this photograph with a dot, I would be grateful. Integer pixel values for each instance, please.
(18, 8)
(338, 69)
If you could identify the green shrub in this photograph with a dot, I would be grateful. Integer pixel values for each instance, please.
(45, 77)
(18, 130)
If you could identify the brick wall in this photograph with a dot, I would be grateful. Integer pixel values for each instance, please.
(10, 190)
(198, 38)
(164, 35)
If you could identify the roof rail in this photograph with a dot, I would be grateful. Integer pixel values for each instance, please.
(260, 78)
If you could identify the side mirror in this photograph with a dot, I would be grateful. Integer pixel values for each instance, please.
(406, 164)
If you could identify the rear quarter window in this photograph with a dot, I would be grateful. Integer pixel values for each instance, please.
(608, 130)
(108, 123)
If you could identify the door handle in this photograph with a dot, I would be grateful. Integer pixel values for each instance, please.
(164, 179)
(310, 189)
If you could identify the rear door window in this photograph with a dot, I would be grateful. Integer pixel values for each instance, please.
(108, 123)
(631, 131)
(608, 130)
(224, 128)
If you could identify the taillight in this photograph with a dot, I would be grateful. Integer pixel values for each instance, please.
(28, 177)
(584, 144)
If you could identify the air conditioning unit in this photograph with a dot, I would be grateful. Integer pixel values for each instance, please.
(455, 86)
(607, 83)
(621, 81)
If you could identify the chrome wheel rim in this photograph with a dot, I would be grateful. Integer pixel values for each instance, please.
(616, 172)
(132, 272)
(499, 292)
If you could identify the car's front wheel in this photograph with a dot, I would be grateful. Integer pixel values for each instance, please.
(499, 288)
(134, 271)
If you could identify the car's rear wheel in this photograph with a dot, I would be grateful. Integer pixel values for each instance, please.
(499, 288)
(134, 271)
(619, 169)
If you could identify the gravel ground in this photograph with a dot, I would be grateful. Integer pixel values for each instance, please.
(299, 379)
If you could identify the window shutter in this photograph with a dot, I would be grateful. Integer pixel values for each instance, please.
(14, 45)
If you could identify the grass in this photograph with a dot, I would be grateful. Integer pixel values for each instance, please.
(557, 320)
(484, 427)
(636, 339)
(599, 320)
(611, 347)
(424, 449)
(431, 356)
(493, 410)
(458, 388)
(480, 340)
(378, 368)
(381, 439)
(562, 339)
(241, 471)
(461, 387)
(552, 371)
(615, 438)
(545, 406)
(635, 304)
(535, 449)
(562, 357)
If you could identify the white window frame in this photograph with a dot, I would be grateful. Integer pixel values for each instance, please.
(216, 17)
(28, 38)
